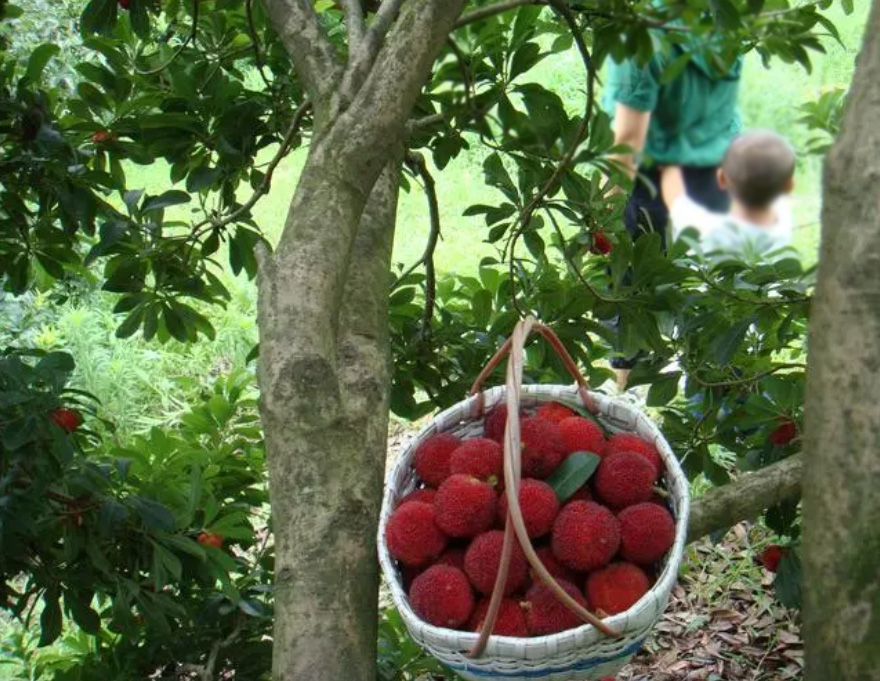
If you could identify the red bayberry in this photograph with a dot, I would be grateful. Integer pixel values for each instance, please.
(784, 433)
(601, 244)
(103, 136)
(211, 539)
(67, 419)
(125, 4)
(771, 556)
(554, 412)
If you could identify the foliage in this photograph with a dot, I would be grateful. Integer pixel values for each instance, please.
(824, 117)
(109, 536)
(206, 87)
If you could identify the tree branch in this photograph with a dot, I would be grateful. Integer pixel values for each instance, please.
(376, 118)
(747, 379)
(354, 23)
(493, 10)
(314, 57)
(752, 493)
(255, 39)
(266, 183)
(417, 162)
(583, 131)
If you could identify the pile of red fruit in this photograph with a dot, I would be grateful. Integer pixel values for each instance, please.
(603, 543)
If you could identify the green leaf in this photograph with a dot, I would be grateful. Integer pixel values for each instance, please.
(848, 6)
(139, 18)
(38, 60)
(573, 474)
(675, 68)
(724, 347)
(99, 16)
(789, 580)
(131, 324)
(186, 545)
(482, 307)
(80, 605)
(664, 389)
(153, 514)
(173, 197)
(725, 13)
(50, 619)
(497, 176)
(56, 362)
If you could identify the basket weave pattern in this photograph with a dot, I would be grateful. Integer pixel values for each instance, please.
(582, 653)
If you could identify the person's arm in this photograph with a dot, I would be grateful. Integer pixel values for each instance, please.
(631, 130)
(672, 185)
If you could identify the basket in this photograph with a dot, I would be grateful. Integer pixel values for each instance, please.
(584, 653)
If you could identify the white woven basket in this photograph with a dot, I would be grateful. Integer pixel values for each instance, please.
(584, 653)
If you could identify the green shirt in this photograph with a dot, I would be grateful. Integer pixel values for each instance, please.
(694, 117)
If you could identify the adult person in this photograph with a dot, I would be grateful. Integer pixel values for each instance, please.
(686, 121)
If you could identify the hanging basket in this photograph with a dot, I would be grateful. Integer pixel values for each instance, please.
(590, 651)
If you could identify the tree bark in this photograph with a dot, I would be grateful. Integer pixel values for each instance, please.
(842, 438)
(724, 507)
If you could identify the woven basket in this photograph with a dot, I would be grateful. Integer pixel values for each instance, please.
(585, 653)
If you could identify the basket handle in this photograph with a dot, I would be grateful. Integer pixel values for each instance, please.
(515, 528)
(504, 351)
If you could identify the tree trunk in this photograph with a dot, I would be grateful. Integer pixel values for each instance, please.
(324, 346)
(842, 439)
(326, 423)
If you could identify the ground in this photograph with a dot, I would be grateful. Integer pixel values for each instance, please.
(722, 621)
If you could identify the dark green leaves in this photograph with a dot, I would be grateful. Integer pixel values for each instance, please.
(38, 60)
(573, 474)
(99, 16)
(789, 579)
(170, 198)
(50, 619)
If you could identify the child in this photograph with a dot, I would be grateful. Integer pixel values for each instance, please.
(758, 173)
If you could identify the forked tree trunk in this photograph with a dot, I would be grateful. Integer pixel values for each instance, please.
(842, 442)
(324, 346)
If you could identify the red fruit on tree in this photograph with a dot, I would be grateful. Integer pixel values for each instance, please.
(784, 433)
(771, 556)
(601, 244)
(211, 539)
(67, 419)
(125, 4)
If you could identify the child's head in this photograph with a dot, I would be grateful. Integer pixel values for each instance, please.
(757, 169)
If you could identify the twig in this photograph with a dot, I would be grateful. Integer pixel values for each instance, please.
(417, 162)
(180, 49)
(208, 671)
(258, 53)
(791, 300)
(492, 10)
(267, 178)
(526, 215)
(354, 23)
(465, 76)
(747, 379)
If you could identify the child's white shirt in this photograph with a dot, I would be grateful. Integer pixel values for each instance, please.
(720, 232)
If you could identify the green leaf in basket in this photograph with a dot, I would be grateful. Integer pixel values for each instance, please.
(573, 474)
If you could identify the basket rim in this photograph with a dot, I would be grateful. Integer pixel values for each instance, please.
(460, 413)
